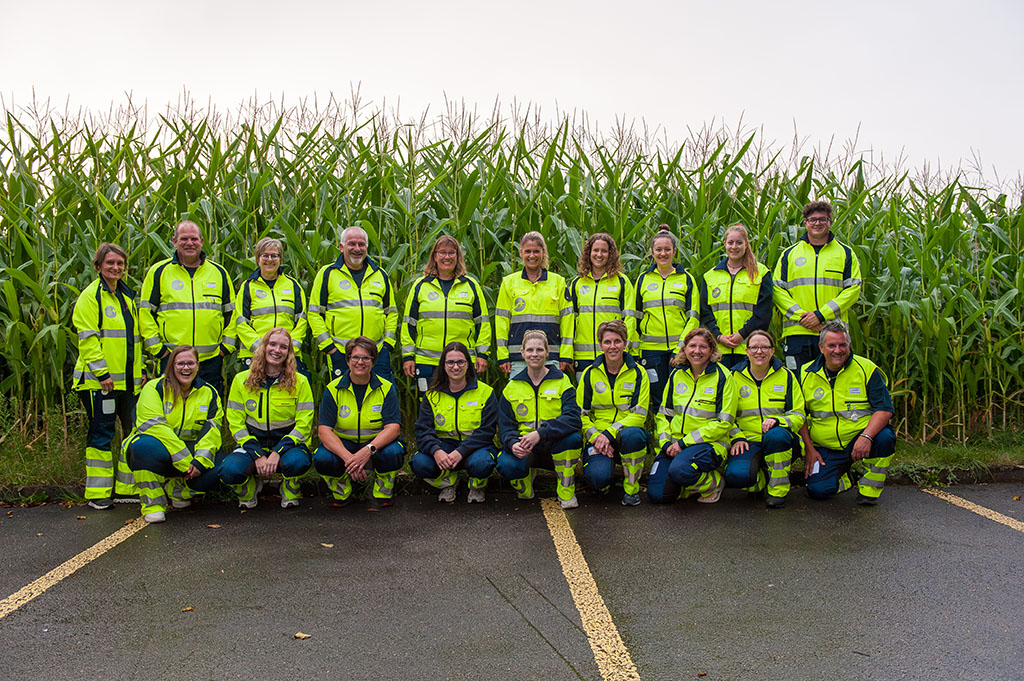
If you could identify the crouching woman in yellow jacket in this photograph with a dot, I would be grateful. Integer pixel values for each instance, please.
(270, 414)
(173, 447)
(698, 410)
(539, 424)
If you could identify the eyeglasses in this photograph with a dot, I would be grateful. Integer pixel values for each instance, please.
(356, 359)
(759, 348)
(447, 254)
(184, 365)
(270, 256)
(455, 363)
(818, 221)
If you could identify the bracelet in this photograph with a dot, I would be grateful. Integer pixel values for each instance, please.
(870, 439)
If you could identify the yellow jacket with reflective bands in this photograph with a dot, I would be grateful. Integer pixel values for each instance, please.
(523, 306)
(340, 310)
(607, 408)
(270, 413)
(778, 397)
(262, 306)
(838, 411)
(594, 302)
(189, 428)
(825, 282)
(549, 408)
(109, 340)
(667, 307)
(433, 319)
(731, 303)
(177, 308)
(354, 423)
(698, 411)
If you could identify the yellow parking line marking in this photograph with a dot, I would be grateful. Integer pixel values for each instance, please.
(980, 510)
(613, 660)
(68, 568)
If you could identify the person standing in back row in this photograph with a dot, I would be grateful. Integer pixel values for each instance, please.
(353, 297)
(189, 300)
(817, 279)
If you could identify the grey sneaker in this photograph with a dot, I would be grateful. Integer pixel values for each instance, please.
(101, 504)
(289, 503)
(714, 495)
(476, 496)
(180, 503)
(447, 495)
(570, 503)
(630, 499)
(155, 517)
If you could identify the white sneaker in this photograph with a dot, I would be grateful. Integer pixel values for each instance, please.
(155, 517)
(101, 504)
(476, 496)
(447, 494)
(289, 503)
(570, 503)
(248, 504)
(180, 503)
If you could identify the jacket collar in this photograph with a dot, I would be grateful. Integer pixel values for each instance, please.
(818, 365)
(121, 287)
(628, 362)
(553, 374)
(368, 264)
(676, 266)
(346, 382)
(543, 275)
(256, 274)
(831, 236)
(202, 259)
(471, 384)
(745, 366)
(431, 279)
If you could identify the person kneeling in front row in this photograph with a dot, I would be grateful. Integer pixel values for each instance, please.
(359, 427)
(848, 413)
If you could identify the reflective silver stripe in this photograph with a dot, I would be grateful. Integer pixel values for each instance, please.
(322, 337)
(150, 342)
(188, 434)
(767, 411)
(502, 343)
(591, 431)
(594, 309)
(146, 305)
(180, 455)
(409, 320)
(408, 349)
(228, 307)
(780, 465)
(482, 349)
(241, 320)
(82, 335)
(89, 376)
(697, 437)
(204, 454)
(433, 354)
(188, 306)
(869, 482)
(699, 413)
(441, 314)
(585, 347)
(271, 309)
(516, 348)
(390, 309)
(820, 281)
(834, 307)
(565, 340)
(787, 323)
(369, 302)
(304, 406)
(114, 333)
(735, 434)
(99, 481)
(599, 407)
(149, 423)
(240, 435)
(255, 344)
(726, 417)
(210, 348)
(648, 304)
(480, 319)
(617, 425)
(795, 309)
(851, 282)
(99, 366)
(351, 433)
(296, 435)
(272, 425)
(315, 309)
(693, 313)
(659, 339)
(536, 318)
(390, 335)
(846, 413)
(722, 307)
(99, 463)
(642, 411)
(662, 438)
(503, 313)
(235, 405)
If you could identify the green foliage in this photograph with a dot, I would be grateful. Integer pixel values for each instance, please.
(940, 309)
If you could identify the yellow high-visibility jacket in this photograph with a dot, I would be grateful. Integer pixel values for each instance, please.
(189, 428)
(839, 410)
(778, 397)
(698, 411)
(732, 303)
(608, 406)
(262, 306)
(177, 308)
(340, 310)
(594, 302)
(270, 414)
(433, 319)
(667, 308)
(524, 306)
(109, 340)
(824, 281)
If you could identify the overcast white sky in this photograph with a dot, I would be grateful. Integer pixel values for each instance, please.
(939, 80)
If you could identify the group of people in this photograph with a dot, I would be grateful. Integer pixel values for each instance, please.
(589, 362)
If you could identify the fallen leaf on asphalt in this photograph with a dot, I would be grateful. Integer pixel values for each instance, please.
(300, 635)
(66, 504)
(39, 534)
(702, 674)
(188, 608)
(79, 517)
(327, 546)
(242, 512)
(1017, 498)
(214, 527)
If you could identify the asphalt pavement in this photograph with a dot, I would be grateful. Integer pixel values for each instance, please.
(914, 588)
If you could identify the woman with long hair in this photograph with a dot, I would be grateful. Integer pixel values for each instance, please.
(173, 447)
(599, 293)
(736, 297)
(456, 426)
(270, 414)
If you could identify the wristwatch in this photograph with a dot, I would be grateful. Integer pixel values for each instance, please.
(373, 450)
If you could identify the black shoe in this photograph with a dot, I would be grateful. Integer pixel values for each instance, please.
(775, 502)
(866, 501)
(376, 504)
(342, 503)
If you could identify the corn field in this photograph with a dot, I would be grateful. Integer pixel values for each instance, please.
(943, 261)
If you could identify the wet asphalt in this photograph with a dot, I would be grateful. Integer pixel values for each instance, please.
(912, 589)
